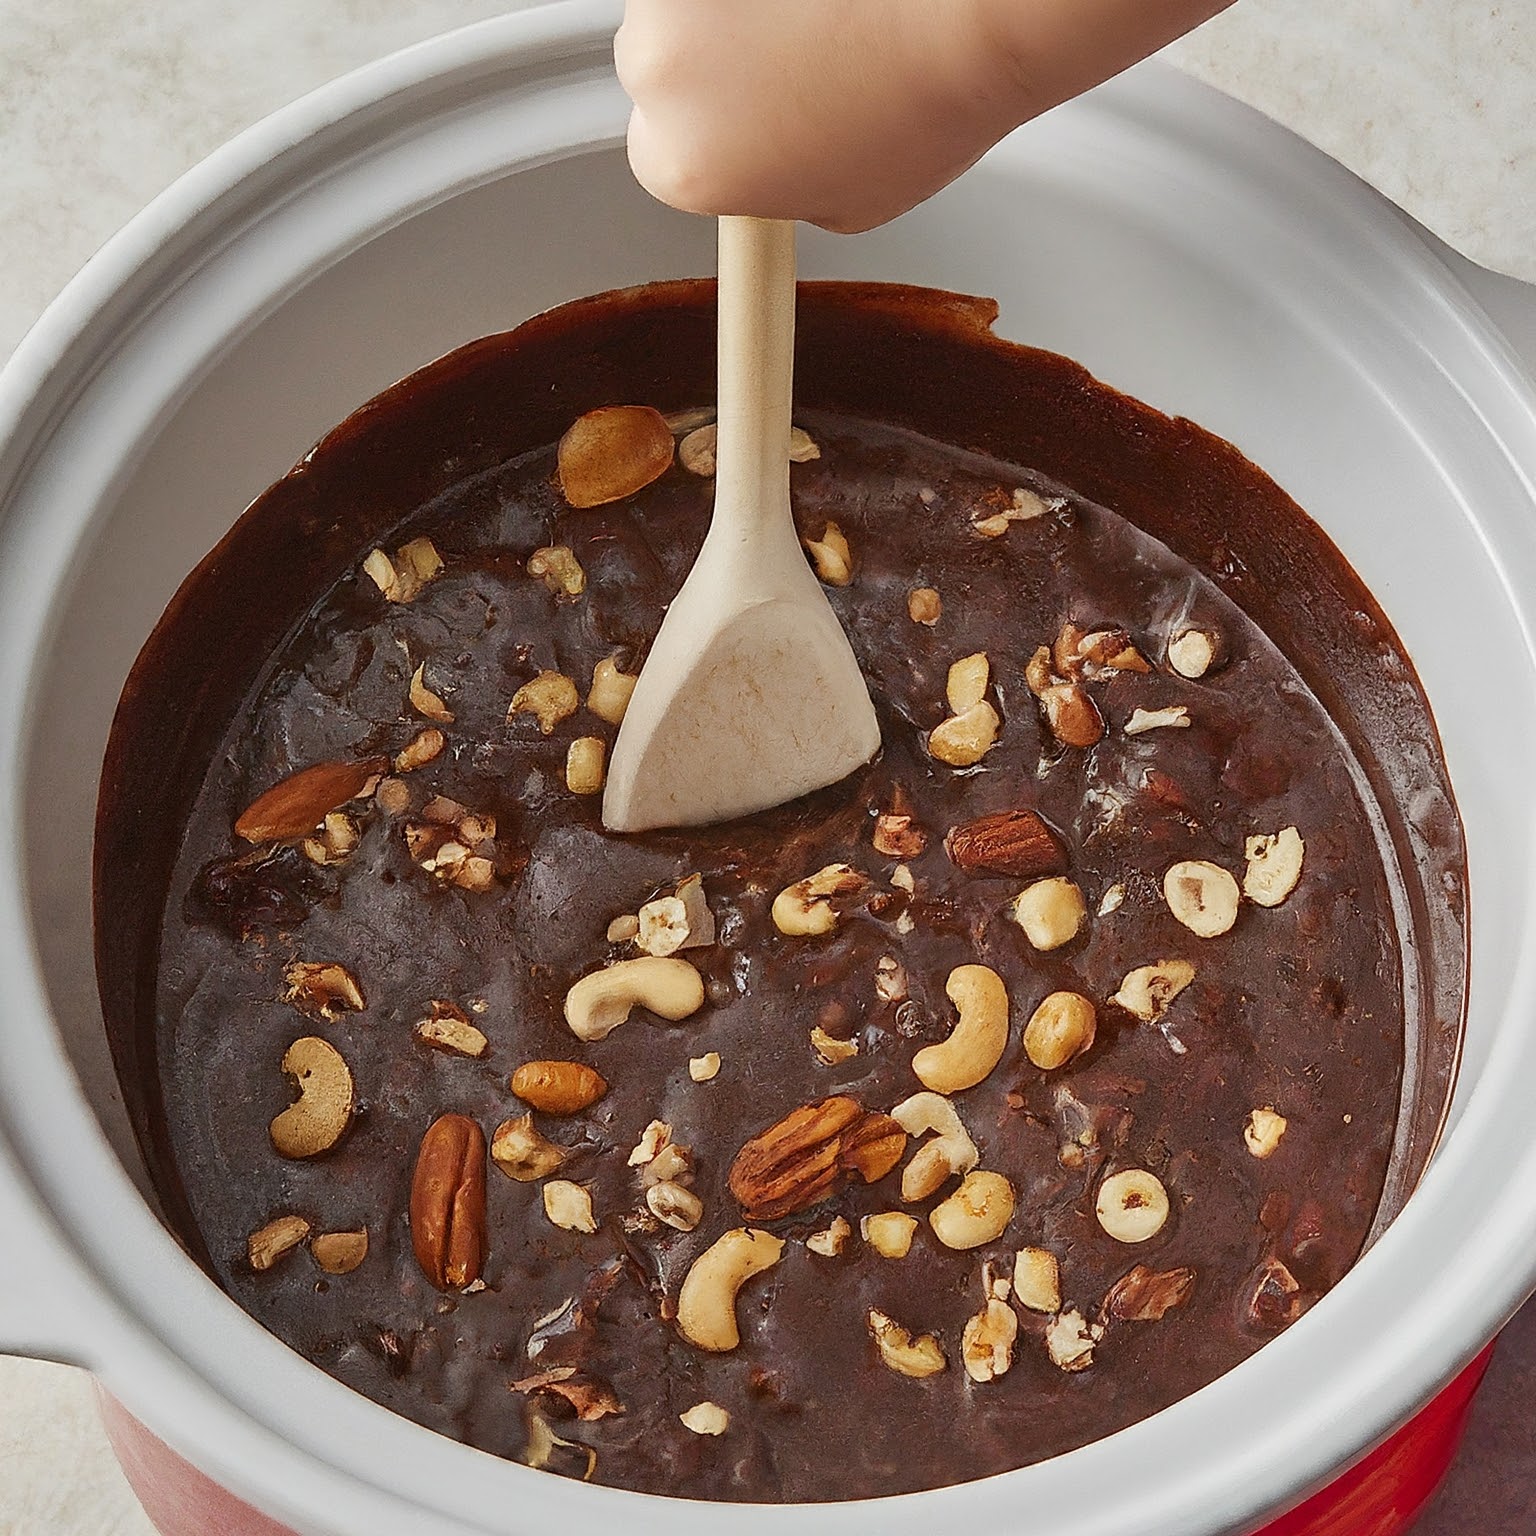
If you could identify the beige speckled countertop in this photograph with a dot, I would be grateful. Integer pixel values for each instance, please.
(104, 102)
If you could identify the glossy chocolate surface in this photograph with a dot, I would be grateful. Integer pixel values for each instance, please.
(1300, 1006)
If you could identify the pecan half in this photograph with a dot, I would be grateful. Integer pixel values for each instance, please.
(448, 1203)
(295, 806)
(1006, 843)
(1142, 1295)
(806, 1156)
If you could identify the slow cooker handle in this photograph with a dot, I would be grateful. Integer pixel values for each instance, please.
(48, 1307)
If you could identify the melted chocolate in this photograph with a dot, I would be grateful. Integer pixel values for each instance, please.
(1301, 1006)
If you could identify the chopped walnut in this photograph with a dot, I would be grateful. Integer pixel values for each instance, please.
(321, 989)
(830, 1050)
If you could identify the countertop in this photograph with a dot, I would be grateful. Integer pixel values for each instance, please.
(104, 103)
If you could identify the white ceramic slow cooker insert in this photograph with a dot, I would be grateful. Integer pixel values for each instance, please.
(1180, 246)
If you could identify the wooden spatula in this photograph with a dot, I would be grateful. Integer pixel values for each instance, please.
(751, 694)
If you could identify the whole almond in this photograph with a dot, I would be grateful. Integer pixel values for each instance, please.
(613, 452)
(558, 1087)
(1006, 843)
(804, 1158)
(448, 1203)
(295, 806)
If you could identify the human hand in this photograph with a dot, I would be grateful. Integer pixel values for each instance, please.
(845, 113)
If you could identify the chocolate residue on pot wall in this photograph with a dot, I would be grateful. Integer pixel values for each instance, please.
(1300, 1007)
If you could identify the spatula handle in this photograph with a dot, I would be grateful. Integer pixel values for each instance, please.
(756, 361)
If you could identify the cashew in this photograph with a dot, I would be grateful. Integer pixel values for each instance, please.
(966, 738)
(967, 682)
(608, 697)
(420, 750)
(706, 1304)
(907, 1356)
(805, 908)
(976, 1213)
(696, 452)
(951, 1151)
(830, 1051)
(602, 1000)
(314, 1122)
(550, 697)
(976, 1043)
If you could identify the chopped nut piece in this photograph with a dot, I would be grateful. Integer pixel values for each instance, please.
(1025, 508)
(964, 739)
(986, 1346)
(889, 1233)
(907, 1356)
(400, 579)
(1050, 912)
(280, 1236)
(1191, 652)
(522, 1153)
(706, 1304)
(924, 606)
(624, 928)
(968, 681)
(1264, 1129)
(680, 423)
(976, 1213)
(705, 1068)
(802, 447)
(1061, 1028)
(416, 753)
(832, 1051)
(1069, 1340)
(696, 452)
(393, 797)
(805, 909)
(1132, 1205)
(951, 1150)
(701, 921)
(584, 765)
(1006, 843)
(1274, 866)
(558, 1087)
(706, 1419)
(830, 1241)
(591, 1398)
(673, 1164)
(675, 1204)
(1037, 671)
(831, 556)
(1037, 1279)
(663, 926)
(669, 987)
(322, 989)
(890, 979)
(653, 1138)
(1141, 1295)
(1072, 716)
(424, 701)
(1202, 895)
(550, 698)
(337, 841)
(608, 696)
(448, 1029)
(976, 1043)
(558, 568)
(1102, 651)
(569, 1205)
(1112, 900)
(611, 453)
(1149, 989)
(320, 1115)
(339, 1253)
(1175, 716)
(898, 836)
(902, 879)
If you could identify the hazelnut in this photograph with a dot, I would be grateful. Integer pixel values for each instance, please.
(889, 1233)
(924, 606)
(569, 1205)
(1149, 989)
(1037, 1280)
(1191, 653)
(1202, 895)
(1274, 866)
(1050, 912)
(1263, 1131)
(1132, 1205)
(1072, 715)
(1059, 1029)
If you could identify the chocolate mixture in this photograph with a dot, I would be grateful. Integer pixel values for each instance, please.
(1233, 1040)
